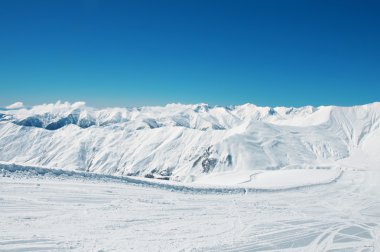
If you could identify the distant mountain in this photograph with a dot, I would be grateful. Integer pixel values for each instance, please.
(188, 142)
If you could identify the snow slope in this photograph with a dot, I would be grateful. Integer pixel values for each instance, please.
(270, 181)
(193, 143)
(241, 178)
(52, 210)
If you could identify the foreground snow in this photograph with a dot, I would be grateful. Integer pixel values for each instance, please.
(58, 211)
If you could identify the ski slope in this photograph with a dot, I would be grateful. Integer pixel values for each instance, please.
(55, 210)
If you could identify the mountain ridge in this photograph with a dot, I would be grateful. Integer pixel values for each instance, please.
(187, 143)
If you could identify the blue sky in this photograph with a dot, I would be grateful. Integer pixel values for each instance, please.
(133, 53)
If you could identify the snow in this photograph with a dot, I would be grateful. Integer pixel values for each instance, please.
(275, 180)
(294, 178)
(214, 184)
(56, 211)
(188, 143)
(189, 177)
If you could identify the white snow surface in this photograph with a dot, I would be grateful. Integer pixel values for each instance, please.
(239, 178)
(55, 210)
(193, 143)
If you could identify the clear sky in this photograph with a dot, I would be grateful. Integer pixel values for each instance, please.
(133, 53)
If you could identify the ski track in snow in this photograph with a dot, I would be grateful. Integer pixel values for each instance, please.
(58, 212)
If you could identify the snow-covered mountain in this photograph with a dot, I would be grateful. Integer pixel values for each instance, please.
(189, 143)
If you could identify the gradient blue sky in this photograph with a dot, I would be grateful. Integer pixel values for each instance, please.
(133, 53)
